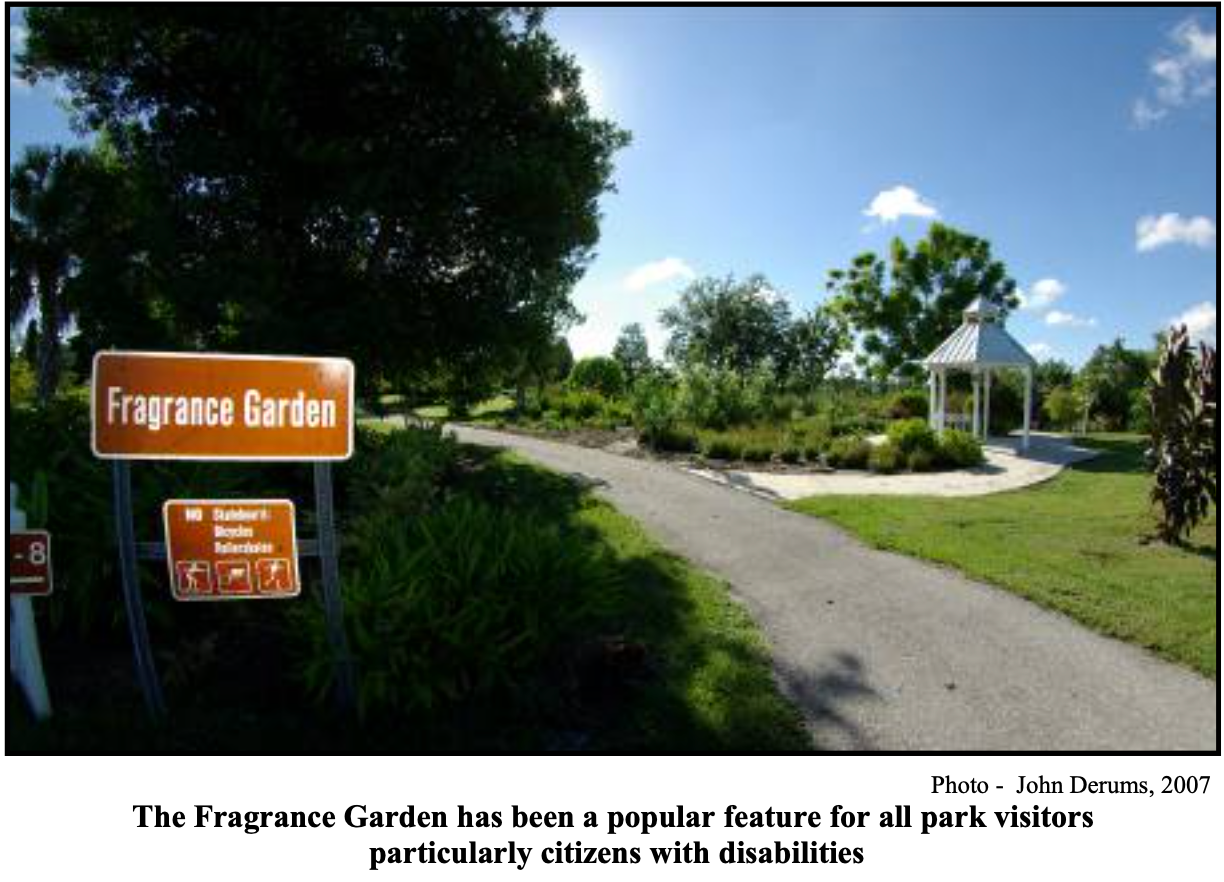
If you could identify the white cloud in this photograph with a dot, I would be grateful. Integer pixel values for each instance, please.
(17, 41)
(1200, 321)
(1040, 351)
(608, 308)
(1043, 294)
(1057, 317)
(888, 206)
(655, 272)
(1182, 73)
(1152, 232)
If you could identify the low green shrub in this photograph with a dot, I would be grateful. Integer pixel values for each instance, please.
(600, 374)
(757, 453)
(921, 461)
(913, 434)
(886, 458)
(908, 404)
(849, 452)
(791, 454)
(813, 450)
(401, 474)
(464, 602)
(674, 439)
(959, 449)
(580, 405)
(653, 405)
(723, 447)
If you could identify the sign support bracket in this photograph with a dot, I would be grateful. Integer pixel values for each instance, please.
(125, 535)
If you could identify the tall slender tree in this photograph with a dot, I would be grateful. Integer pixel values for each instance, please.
(46, 223)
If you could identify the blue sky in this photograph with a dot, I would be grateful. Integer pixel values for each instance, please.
(1081, 142)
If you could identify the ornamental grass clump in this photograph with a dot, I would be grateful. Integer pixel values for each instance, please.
(886, 458)
(849, 452)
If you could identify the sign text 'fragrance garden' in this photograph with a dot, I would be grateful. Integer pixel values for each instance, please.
(186, 406)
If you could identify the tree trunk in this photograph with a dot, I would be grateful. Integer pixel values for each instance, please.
(48, 342)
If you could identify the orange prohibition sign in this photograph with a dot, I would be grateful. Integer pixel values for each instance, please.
(231, 549)
(178, 405)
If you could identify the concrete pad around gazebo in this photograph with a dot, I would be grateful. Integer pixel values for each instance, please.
(980, 346)
(1006, 468)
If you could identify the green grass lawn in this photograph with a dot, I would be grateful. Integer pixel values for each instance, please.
(1080, 544)
(489, 408)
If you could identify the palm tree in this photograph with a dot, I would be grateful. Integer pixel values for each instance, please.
(45, 217)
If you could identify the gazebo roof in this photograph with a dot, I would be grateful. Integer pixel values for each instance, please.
(980, 340)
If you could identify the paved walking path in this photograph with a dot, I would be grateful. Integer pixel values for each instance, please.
(1005, 469)
(885, 652)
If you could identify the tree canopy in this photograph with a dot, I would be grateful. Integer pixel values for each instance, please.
(409, 186)
(907, 305)
(727, 324)
(633, 352)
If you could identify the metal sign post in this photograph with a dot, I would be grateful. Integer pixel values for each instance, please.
(333, 604)
(125, 536)
(210, 406)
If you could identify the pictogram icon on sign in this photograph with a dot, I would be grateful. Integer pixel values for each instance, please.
(194, 577)
(234, 577)
(272, 574)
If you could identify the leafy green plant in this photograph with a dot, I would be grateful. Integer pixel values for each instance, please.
(1183, 452)
(959, 449)
(654, 408)
(886, 458)
(912, 434)
(464, 601)
(675, 439)
(908, 404)
(920, 461)
(1063, 407)
(849, 452)
(757, 453)
(600, 374)
(790, 454)
(723, 447)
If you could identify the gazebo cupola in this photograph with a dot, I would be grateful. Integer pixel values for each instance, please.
(980, 346)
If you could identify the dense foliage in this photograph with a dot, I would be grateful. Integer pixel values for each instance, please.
(632, 352)
(599, 373)
(1184, 451)
(420, 196)
(906, 306)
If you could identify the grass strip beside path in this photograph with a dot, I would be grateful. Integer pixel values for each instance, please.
(1080, 544)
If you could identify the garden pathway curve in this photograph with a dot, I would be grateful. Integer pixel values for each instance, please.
(884, 652)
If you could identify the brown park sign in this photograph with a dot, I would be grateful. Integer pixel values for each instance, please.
(229, 549)
(162, 405)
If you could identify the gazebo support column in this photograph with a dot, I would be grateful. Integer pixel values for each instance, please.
(986, 409)
(943, 399)
(975, 423)
(933, 399)
(1028, 406)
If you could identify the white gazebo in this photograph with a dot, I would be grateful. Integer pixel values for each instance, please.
(979, 346)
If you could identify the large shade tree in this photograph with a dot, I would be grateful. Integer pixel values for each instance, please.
(904, 306)
(727, 324)
(415, 187)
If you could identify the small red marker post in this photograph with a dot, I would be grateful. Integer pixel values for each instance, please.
(29, 575)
